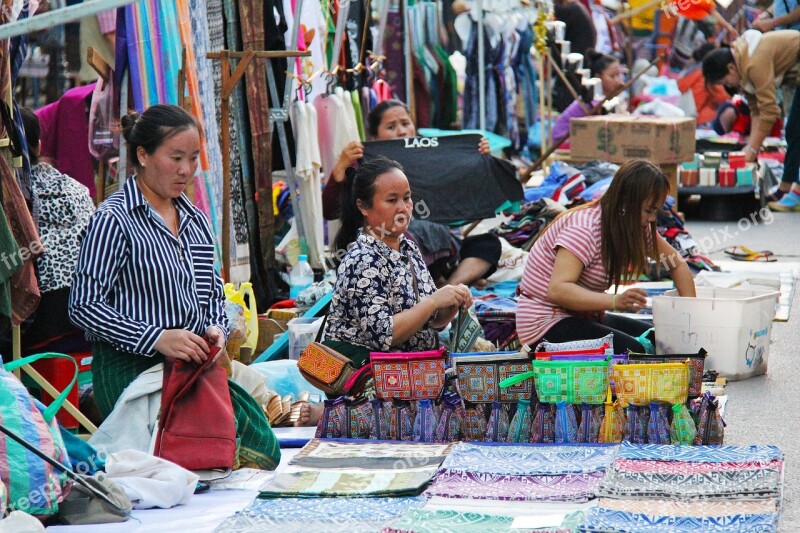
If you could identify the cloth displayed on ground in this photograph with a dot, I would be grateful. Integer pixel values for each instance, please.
(357, 469)
(531, 487)
(523, 228)
(427, 521)
(563, 183)
(606, 520)
(698, 454)
(526, 460)
(331, 515)
(441, 171)
(369, 455)
(691, 508)
(150, 481)
(313, 483)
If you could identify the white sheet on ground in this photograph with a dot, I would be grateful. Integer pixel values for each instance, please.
(150, 481)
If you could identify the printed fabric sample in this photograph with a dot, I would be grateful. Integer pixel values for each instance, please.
(346, 483)
(605, 520)
(528, 460)
(369, 455)
(699, 454)
(332, 515)
(423, 521)
(693, 508)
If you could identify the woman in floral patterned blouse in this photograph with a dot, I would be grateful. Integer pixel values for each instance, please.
(384, 299)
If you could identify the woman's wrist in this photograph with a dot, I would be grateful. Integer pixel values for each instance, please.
(614, 303)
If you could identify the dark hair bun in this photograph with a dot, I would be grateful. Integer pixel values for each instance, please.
(128, 122)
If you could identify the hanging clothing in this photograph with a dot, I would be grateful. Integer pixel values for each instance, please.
(311, 34)
(64, 133)
(64, 213)
(309, 183)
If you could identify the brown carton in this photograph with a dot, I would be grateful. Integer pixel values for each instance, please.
(618, 138)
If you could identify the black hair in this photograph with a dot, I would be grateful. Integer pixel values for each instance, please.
(598, 62)
(151, 128)
(359, 185)
(376, 115)
(33, 133)
(715, 64)
(703, 50)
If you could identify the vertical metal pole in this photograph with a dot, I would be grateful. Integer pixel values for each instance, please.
(122, 164)
(225, 116)
(481, 68)
(407, 53)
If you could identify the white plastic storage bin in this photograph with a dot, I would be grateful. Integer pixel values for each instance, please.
(302, 332)
(733, 325)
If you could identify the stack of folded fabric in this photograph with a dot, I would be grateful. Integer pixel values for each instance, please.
(690, 488)
(483, 487)
(352, 469)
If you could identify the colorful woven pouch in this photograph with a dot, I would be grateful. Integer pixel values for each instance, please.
(519, 430)
(640, 384)
(497, 427)
(658, 424)
(408, 376)
(682, 430)
(401, 420)
(450, 426)
(475, 422)
(331, 421)
(358, 418)
(479, 376)
(636, 426)
(696, 366)
(710, 427)
(379, 422)
(566, 423)
(568, 381)
(604, 342)
(425, 422)
(543, 428)
(591, 420)
(325, 368)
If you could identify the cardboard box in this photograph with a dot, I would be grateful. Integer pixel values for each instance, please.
(618, 138)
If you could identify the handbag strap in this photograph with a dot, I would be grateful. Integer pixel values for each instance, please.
(321, 328)
(413, 277)
(53, 408)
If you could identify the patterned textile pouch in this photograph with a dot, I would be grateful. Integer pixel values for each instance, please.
(566, 423)
(425, 422)
(543, 428)
(616, 359)
(331, 422)
(615, 420)
(401, 417)
(519, 430)
(325, 368)
(636, 427)
(696, 362)
(658, 425)
(567, 381)
(497, 427)
(379, 422)
(710, 427)
(641, 384)
(682, 430)
(606, 343)
(450, 426)
(408, 376)
(591, 420)
(358, 418)
(479, 375)
(475, 422)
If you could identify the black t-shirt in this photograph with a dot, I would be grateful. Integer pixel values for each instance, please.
(450, 179)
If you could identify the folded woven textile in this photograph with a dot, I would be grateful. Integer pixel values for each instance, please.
(730, 484)
(424, 521)
(683, 467)
(604, 520)
(566, 487)
(692, 508)
(332, 515)
(528, 460)
(369, 455)
(346, 483)
(699, 454)
(505, 508)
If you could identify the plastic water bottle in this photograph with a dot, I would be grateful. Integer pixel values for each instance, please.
(301, 277)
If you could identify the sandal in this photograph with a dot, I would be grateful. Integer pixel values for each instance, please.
(743, 253)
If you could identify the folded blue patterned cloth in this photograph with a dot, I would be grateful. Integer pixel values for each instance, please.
(528, 460)
(604, 520)
(700, 454)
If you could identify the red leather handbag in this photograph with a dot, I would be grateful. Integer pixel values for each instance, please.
(196, 429)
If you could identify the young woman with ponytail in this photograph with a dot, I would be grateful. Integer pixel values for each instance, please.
(385, 298)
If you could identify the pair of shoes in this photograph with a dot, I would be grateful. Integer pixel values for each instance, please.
(789, 203)
(775, 194)
(743, 253)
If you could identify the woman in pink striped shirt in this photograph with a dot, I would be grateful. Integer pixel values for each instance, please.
(586, 250)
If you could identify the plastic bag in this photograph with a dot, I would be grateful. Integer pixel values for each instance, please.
(103, 114)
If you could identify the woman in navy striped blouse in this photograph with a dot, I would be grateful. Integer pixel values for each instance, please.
(145, 288)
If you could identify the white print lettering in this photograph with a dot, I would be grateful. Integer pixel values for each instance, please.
(422, 142)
